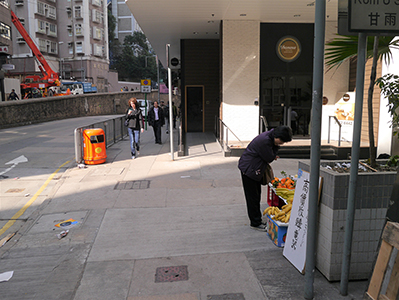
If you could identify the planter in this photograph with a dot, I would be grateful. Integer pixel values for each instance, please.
(372, 199)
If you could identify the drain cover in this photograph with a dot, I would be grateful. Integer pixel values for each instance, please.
(238, 296)
(170, 274)
(132, 185)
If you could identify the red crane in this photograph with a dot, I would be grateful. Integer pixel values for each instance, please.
(49, 77)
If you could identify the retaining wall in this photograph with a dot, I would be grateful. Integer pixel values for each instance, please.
(30, 111)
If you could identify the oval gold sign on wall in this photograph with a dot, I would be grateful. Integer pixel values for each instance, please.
(288, 48)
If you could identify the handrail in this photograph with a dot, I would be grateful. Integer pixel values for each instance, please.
(114, 131)
(263, 122)
(221, 130)
(339, 130)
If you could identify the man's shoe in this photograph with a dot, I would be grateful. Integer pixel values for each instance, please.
(133, 157)
(261, 227)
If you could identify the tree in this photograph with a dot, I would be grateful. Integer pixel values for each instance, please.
(389, 85)
(345, 47)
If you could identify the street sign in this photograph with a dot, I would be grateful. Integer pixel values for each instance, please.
(378, 16)
(145, 86)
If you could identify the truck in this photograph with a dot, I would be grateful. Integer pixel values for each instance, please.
(48, 78)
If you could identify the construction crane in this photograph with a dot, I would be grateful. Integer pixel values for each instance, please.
(49, 77)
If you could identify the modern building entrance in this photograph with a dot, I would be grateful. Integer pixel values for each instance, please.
(286, 75)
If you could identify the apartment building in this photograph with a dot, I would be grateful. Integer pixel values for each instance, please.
(126, 23)
(71, 34)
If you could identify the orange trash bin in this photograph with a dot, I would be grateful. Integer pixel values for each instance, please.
(94, 150)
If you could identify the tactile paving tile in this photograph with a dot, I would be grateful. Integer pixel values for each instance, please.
(171, 274)
(238, 296)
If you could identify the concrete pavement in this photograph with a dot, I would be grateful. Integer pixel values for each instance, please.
(152, 229)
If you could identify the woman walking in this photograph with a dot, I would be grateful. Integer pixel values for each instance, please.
(136, 124)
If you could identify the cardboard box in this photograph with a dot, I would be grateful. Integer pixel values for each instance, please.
(277, 231)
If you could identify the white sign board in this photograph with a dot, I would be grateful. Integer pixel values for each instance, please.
(374, 16)
(295, 243)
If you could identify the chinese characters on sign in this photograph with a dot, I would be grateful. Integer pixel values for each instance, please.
(374, 15)
(295, 246)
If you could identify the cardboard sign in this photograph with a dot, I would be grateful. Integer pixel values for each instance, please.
(295, 243)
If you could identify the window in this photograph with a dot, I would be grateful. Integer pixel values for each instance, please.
(52, 30)
(52, 12)
(70, 48)
(78, 12)
(97, 16)
(5, 31)
(41, 8)
(98, 50)
(78, 29)
(69, 12)
(53, 48)
(41, 26)
(5, 3)
(69, 30)
(97, 33)
(79, 47)
(42, 45)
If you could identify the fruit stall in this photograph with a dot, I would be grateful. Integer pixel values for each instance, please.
(280, 195)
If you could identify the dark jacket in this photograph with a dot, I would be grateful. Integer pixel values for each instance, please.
(151, 116)
(13, 96)
(135, 118)
(260, 151)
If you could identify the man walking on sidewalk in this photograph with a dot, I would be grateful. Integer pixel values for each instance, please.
(156, 119)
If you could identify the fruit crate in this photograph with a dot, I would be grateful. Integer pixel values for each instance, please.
(277, 231)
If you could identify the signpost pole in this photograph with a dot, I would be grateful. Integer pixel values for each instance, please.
(357, 126)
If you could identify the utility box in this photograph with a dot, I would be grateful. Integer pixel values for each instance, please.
(94, 149)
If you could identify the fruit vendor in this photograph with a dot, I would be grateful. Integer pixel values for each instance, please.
(260, 152)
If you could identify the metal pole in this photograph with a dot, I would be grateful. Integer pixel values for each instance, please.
(170, 102)
(350, 211)
(318, 73)
(156, 56)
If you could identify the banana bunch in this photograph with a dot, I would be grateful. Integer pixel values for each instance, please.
(287, 194)
(282, 215)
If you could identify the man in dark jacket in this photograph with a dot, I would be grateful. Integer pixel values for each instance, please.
(261, 151)
(156, 119)
(13, 95)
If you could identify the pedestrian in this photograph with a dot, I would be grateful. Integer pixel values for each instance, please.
(174, 111)
(13, 95)
(136, 124)
(260, 152)
(165, 110)
(156, 119)
(294, 120)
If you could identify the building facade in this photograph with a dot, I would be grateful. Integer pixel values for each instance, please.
(71, 35)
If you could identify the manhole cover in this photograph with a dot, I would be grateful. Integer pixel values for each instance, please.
(15, 190)
(132, 185)
(170, 274)
(237, 296)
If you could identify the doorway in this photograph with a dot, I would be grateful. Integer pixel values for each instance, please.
(286, 100)
(195, 108)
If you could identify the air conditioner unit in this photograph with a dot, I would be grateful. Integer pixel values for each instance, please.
(20, 40)
(19, 2)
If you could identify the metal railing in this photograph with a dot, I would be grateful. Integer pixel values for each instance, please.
(222, 133)
(264, 126)
(114, 130)
(339, 130)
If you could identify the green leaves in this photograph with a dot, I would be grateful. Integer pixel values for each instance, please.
(389, 85)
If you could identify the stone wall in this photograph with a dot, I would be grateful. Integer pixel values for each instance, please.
(29, 111)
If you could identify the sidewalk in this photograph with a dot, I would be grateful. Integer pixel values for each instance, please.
(154, 229)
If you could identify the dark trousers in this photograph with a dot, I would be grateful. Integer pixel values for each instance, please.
(252, 191)
(157, 131)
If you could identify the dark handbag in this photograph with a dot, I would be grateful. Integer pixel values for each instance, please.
(127, 122)
(268, 175)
